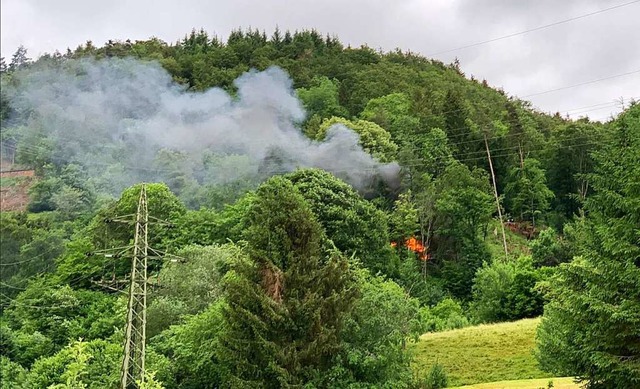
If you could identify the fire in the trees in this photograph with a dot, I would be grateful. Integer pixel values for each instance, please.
(416, 246)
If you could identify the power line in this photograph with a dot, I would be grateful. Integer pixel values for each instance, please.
(419, 162)
(581, 83)
(3, 284)
(533, 29)
(607, 104)
(35, 148)
(30, 259)
(471, 156)
(32, 149)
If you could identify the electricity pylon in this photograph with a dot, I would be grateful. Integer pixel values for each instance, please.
(135, 334)
(133, 371)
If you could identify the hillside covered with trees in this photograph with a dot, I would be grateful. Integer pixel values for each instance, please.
(324, 205)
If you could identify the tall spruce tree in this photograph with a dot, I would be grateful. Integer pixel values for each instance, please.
(591, 327)
(287, 304)
(19, 59)
(527, 193)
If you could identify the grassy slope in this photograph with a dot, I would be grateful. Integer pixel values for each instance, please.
(484, 353)
(558, 383)
(516, 244)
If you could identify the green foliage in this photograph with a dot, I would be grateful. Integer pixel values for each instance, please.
(25, 348)
(384, 110)
(592, 323)
(321, 98)
(458, 273)
(464, 203)
(162, 203)
(112, 227)
(506, 291)
(38, 254)
(373, 138)
(404, 220)
(393, 113)
(462, 208)
(53, 315)
(435, 379)
(178, 174)
(12, 374)
(446, 315)
(550, 249)
(30, 244)
(457, 124)
(375, 334)
(434, 152)
(76, 267)
(75, 371)
(150, 382)
(287, 304)
(93, 365)
(429, 290)
(206, 226)
(193, 347)
(353, 224)
(15, 234)
(64, 188)
(527, 193)
(189, 287)
(194, 227)
(570, 161)
(287, 313)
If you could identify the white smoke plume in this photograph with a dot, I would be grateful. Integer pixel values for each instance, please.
(114, 116)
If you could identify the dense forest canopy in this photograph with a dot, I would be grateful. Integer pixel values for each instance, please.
(329, 204)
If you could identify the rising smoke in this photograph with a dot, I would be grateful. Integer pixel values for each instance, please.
(127, 121)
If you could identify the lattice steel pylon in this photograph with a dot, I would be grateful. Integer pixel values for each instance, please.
(135, 334)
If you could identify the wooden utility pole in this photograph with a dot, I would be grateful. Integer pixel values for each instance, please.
(495, 193)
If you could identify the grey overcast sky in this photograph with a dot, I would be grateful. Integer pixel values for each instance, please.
(594, 47)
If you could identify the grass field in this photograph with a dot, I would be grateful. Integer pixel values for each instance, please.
(484, 353)
(558, 383)
(516, 243)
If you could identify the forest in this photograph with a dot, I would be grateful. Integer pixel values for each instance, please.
(314, 209)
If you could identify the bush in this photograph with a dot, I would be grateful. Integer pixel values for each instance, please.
(446, 315)
(12, 375)
(505, 291)
(549, 249)
(458, 275)
(375, 335)
(428, 290)
(435, 379)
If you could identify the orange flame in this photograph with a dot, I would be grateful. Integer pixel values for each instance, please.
(414, 245)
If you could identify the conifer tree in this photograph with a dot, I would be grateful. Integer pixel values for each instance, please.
(527, 192)
(591, 327)
(288, 302)
(19, 59)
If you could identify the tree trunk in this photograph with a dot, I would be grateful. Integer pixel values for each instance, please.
(521, 153)
(495, 193)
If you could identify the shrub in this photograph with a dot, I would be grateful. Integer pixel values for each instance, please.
(435, 379)
(446, 315)
(505, 291)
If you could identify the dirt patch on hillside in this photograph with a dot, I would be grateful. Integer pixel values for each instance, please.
(14, 189)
